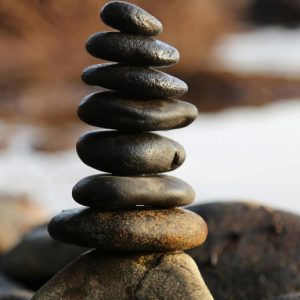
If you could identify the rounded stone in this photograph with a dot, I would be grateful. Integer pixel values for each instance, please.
(115, 111)
(131, 49)
(105, 191)
(37, 257)
(140, 276)
(129, 153)
(130, 230)
(130, 18)
(255, 247)
(132, 80)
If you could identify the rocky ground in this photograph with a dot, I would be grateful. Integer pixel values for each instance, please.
(251, 253)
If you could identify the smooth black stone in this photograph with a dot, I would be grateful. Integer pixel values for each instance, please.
(115, 111)
(130, 18)
(105, 191)
(136, 81)
(129, 154)
(131, 49)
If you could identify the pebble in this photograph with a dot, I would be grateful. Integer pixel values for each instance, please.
(129, 153)
(128, 276)
(131, 49)
(37, 257)
(247, 240)
(130, 18)
(130, 230)
(135, 81)
(115, 111)
(105, 191)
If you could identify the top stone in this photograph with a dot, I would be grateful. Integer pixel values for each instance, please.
(129, 18)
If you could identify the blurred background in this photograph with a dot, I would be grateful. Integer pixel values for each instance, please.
(240, 58)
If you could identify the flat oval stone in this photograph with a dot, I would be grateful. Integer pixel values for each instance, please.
(105, 191)
(130, 230)
(136, 81)
(131, 49)
(115, 111)
(130, 18)
(129, 153)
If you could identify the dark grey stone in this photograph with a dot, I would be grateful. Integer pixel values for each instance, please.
(130, 230)
(131, 49)
(129, 153)
(105, 191)
(37, 258)
(115, 111)
(249, 246)
(135, 81)
(130, 18)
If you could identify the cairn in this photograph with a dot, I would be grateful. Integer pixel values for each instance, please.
(132, 219)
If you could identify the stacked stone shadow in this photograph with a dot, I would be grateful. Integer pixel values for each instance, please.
(132, 217)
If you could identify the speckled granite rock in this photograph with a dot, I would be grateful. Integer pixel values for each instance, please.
(168, 276)
(129, 154)
(37, 258)
(131, 49)
(106, 191)
(130, 18)
(115, 111)
(130, 230)
(252, 247)
(135, 81)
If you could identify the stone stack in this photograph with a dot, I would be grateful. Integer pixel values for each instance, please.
(132, 217)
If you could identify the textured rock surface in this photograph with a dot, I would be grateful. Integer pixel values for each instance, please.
(129, 154)
(105, 191)
(131, 49)
(136, 81)
(128, 276)
(37, 258)
(251, 247)
(288, 297)
(17, 215)
(115, 111)
(130, 18)
(130, 230)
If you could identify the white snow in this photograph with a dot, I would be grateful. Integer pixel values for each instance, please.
(269, 50)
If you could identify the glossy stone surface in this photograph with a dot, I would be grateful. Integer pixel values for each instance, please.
(130, 230)
(105, 191)
(135, 81)
(130, 18)
(115, 111)
(131, 49)
(129, 153)
(140, 276)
